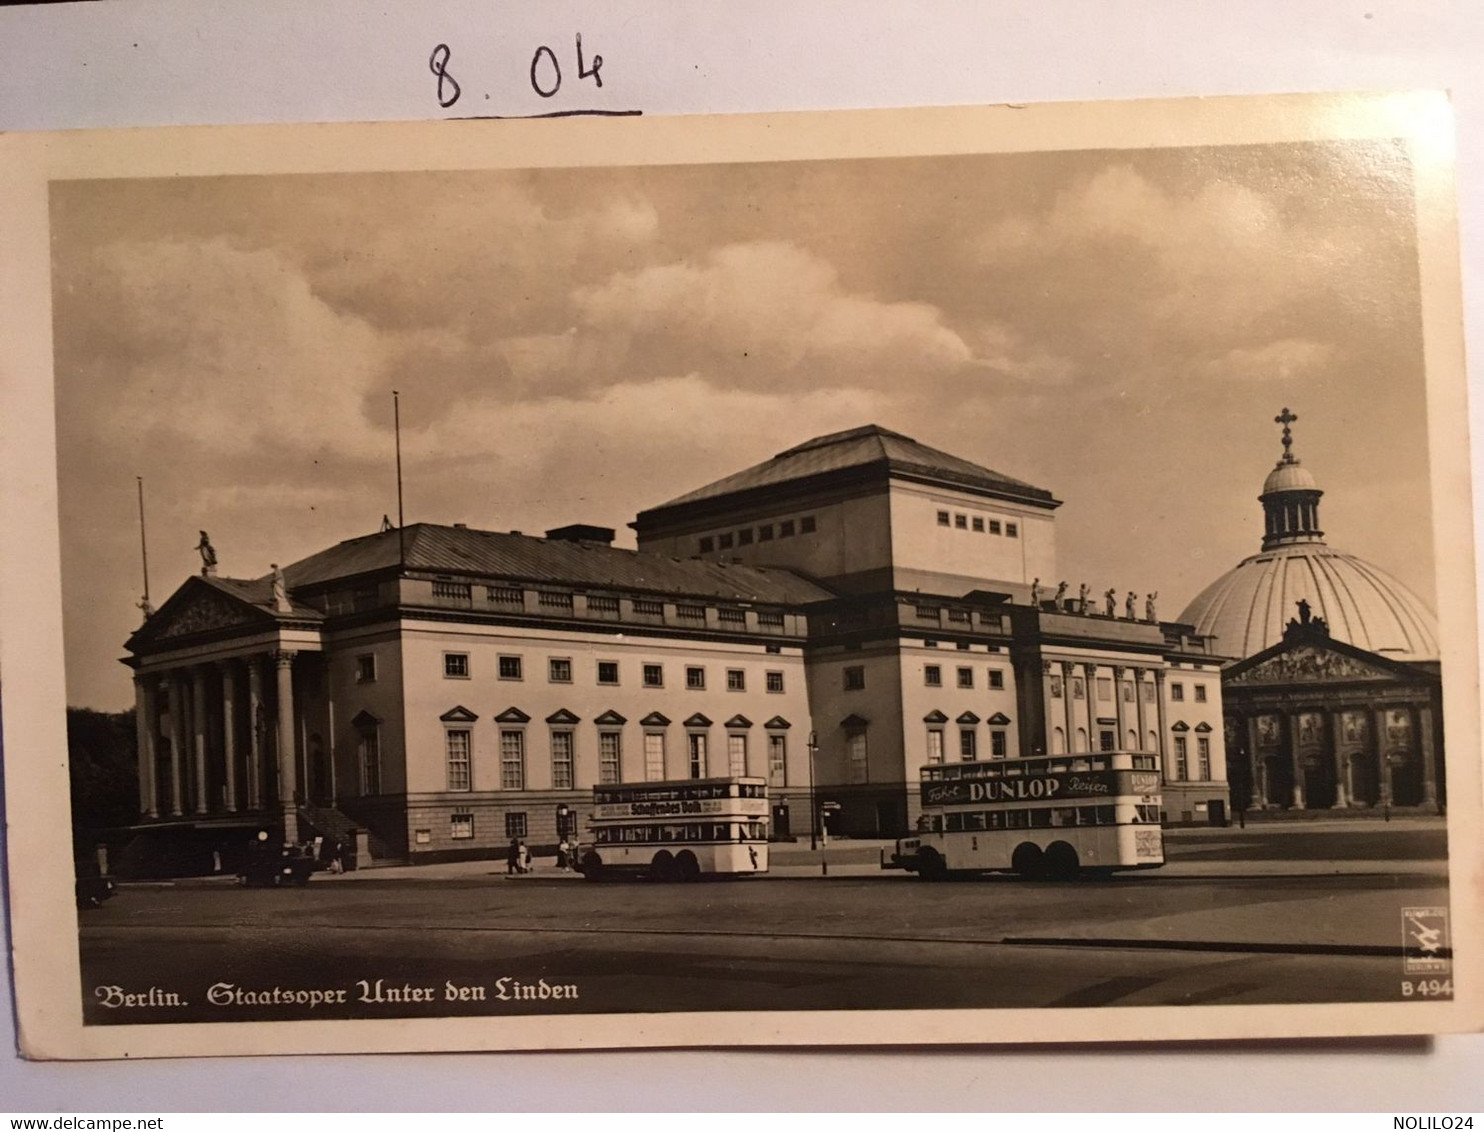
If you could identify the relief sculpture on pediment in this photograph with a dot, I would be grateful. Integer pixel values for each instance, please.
(204, 613)
(1308, 663)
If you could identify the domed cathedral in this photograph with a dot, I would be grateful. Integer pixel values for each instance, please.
(1335, 699)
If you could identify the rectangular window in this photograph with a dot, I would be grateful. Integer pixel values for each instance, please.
(806, 525)
(511, 668)
(456, 741)
(774, 681)
(765, 533)
(998, 744)
(561, 760)
(696, 747)
(996, 678)
(968, 745)
(610, 755)
(1105, 689)
(1012, 531)
(777, 760)
(855, 678)
(456, 665)
(559, 670)
(366, 669)
(370, 752)
(934, 745)
(1203, 758)
(1177, 692)
(512, 760)
(695, 679)
(736, 680)
(724, 542)
(461, 827)
(515, 824)
(961, 522)
(1200, 693)
(607, 672)
(744, 537)
(944, 518)
(965, 677)
(994, 526)
(736, 755)
(654, 756)
(978, 524)
(1107, 740)
(705, 545)
(932, 675)
(855, 749)
(654, 676)
(786, 529)
(1182, 765)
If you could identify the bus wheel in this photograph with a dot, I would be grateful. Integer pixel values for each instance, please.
(662, 868)
(1061, 861)
(1028, 861)
(930, 865)
(592, 867)
(687, 866)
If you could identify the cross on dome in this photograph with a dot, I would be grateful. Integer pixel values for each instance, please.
(1286, 418)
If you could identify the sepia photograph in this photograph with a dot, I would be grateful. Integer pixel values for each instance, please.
(915, 577)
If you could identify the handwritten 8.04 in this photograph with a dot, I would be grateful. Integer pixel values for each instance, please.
(545, 72)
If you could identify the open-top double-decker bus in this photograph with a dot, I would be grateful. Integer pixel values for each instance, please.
(677, 831)
(1039, 817)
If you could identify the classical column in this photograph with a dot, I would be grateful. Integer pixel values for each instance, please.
(1090, 679)
(1139, 707)
(1159, 713)
(177, 740)
(1426, 737)
(288, 773)
(1257, 767)
(229, 736)
(1047, 719)
(1118, 674)
(146, 727)
(198, 734)
(1296, 768)
(255, 727)
(1336, 739)
(1383, 763)
(1066, 702)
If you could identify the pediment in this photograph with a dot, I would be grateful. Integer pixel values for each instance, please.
(738, 721)
(778, 723)
(1308, 664)
(967, 719)
(698, 720)
(564, 717)
(364, 721)
(459, 714)
(655, 719)
(610, 718)
(854, 720)
(200, 608)
(935, 716)
(998, 719)
(512, 715)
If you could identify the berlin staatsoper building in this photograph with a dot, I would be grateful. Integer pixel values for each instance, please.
(849, 610)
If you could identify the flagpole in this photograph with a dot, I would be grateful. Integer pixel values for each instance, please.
(143, 545)
(397, 428)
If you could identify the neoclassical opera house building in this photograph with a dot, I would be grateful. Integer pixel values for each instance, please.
(1335, 700)
(831, 619)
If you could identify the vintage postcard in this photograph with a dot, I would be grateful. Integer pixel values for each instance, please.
(973, 575)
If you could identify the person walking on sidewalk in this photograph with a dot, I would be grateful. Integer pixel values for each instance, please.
(512, 858)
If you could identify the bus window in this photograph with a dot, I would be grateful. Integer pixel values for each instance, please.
(1081, 764)
(1014, 770)
(1145, 762)
(937, 823)
(1060, 766)
(996, 819)
(1149, 814)
(976, 821)
(1040, 819)
(955, 823)
(1087, 815)
(1064, 815)
(1017, 819)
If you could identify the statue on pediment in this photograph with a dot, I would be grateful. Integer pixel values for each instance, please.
(280, 592)
(208, 556)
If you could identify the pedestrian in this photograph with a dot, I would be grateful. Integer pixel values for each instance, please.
(563, 854)
(525, 858)
(512, 858)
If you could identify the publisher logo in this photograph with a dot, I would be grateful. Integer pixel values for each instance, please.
(1425, 940)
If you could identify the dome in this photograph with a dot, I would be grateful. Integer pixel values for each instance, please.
(1289, 477)
(1247, 608)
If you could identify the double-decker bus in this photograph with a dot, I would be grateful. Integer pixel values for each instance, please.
(1039, 817)
(677, 831)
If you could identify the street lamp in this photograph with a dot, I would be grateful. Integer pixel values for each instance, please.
(812, 746)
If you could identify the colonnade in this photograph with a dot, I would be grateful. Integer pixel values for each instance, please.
(1128, 717)
(172, 705)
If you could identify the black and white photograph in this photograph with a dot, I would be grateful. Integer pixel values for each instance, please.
(848, 577)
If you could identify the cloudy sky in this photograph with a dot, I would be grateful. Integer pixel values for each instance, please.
(575, 345)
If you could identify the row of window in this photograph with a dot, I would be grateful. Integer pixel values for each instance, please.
(746, 536)
(968, 744)
(1044, 818)
(1182, 759)
(1105, 690)
(559, 670)
(932, 676)
(978, 523)
(461, 828)
(459, 749)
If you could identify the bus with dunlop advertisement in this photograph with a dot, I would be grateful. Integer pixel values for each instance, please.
(1055, 817)
(677, 831)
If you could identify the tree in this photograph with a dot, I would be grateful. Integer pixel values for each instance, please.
(103, 770)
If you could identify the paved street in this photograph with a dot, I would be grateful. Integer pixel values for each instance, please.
(1238, 917)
